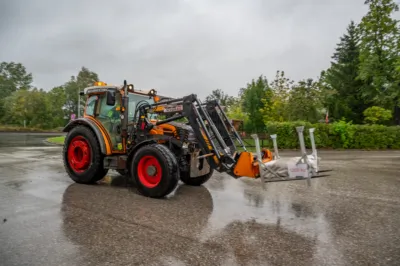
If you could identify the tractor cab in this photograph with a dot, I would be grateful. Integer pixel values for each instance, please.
(104, 106)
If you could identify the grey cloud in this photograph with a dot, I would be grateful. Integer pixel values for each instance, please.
(176, 46)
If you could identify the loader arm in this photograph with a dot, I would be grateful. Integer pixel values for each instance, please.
(213, 130)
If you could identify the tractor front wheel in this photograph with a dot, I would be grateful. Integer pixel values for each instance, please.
(82, 156)
(155, 171)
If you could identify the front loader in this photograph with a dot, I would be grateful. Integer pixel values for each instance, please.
(158, 141)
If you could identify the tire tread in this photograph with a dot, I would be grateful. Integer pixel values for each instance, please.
(98, 172)
(172, 173)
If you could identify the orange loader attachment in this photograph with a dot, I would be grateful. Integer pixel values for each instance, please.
(248, 166)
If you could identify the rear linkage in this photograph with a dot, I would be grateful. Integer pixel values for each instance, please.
(217, 135)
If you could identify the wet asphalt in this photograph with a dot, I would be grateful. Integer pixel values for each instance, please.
(349, 218)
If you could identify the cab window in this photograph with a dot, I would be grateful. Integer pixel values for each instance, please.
(91, 104)
(134, 100)
(107, 111)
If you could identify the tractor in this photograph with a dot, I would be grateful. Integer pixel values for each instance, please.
(157, 141)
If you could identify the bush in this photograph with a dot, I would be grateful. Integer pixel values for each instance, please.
(377, 115)
(339, 135)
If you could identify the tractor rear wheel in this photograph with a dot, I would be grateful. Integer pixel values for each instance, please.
(82, 156)
(196, 181)
(155, 171)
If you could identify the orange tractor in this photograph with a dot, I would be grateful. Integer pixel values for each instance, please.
(158, 141)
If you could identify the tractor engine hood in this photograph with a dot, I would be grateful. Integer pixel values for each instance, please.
(185, 132)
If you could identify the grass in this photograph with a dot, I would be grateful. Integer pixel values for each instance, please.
(57, 140)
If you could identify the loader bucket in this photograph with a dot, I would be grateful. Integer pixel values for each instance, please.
(305, 166)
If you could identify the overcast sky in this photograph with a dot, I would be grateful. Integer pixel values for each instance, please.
(175, 46)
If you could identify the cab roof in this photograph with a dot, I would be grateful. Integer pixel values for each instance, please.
(106, 88)
(99, 89)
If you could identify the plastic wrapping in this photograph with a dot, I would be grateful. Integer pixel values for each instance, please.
(301, 167)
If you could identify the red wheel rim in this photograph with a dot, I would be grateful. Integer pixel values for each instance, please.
(149, 171)
(79, 154)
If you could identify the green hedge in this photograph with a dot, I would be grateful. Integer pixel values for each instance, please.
(338, 135)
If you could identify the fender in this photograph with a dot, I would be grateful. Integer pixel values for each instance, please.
(138, 146)
(92, 126)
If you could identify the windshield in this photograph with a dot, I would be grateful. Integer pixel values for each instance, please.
(134, 100)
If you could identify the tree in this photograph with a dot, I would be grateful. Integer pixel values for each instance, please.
(31, 106)
(15, 108)
(223, 98)
(377, 115)
(236, 110)
(276, 101)
(84, 79)
(379, 55)
(38, 107)
(57, 99)
(305, 101)
(341, 86)
(13, 76)
(253, 103)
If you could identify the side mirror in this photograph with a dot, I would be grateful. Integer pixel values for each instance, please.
(110, 98)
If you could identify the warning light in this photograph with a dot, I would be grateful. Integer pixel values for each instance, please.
(100, 83)
(152, 92)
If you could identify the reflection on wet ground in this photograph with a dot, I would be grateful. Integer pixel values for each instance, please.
(350, 218)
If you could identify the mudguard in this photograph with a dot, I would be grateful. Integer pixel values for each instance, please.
(92, 126)
(138, 146)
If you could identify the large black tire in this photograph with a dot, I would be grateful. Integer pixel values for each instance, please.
(82, 156)
(154, 169)
(196, 181)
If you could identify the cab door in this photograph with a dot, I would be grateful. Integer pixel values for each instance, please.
(110, 117)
